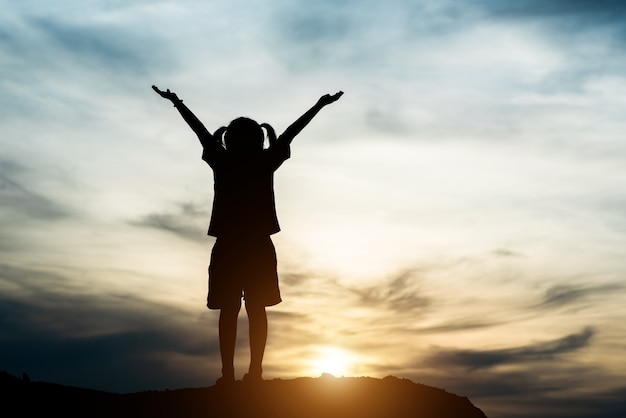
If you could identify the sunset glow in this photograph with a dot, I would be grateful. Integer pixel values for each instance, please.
(331, 360)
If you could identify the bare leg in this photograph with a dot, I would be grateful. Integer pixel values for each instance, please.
(257, 318)
(228, 337)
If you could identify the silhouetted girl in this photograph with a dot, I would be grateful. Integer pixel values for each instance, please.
(243, 260)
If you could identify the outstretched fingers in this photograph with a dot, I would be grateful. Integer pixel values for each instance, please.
(328, 99)
(167, 94)
(336, 96)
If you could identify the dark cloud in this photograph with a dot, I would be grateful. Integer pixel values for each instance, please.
(534, 392)
(588, 10)
(474, 359)
(22, 202)
(607, 404)
(343, 33)
(50, 64)
(530, 380)
(453, 326)
(38, 44)
(59, 331)
(571, 18)
(187, 221)
(566, 295)
(546, 389)
(111, 48)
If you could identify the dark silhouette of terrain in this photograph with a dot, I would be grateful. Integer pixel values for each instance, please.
(324, 397)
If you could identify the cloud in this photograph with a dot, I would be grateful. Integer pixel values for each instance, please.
(535, 392)
(62, 41)
(460, 325)
(366, 39)
(20, 201)
(504, 252)
(55, 65)
(97, 45)
(400, 294)
(320, 22)
(388, 122)
(187, 221)
(57, 330)
(475, 359)
(589, 11)
(566, 295)
(547, 389)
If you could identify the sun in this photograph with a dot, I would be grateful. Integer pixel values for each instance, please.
(331, 360)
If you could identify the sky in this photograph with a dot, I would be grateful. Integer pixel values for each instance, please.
(458, 218)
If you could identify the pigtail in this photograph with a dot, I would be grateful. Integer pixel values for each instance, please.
(271, 133)
(219, 136)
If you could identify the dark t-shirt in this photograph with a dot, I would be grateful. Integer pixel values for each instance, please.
(243, 204)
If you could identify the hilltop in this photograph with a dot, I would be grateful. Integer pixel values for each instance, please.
(324, 397)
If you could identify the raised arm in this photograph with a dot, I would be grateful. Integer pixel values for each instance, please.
(295, 128)
(205, 137)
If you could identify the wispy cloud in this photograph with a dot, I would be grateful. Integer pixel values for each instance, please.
(20, 201)
(108, 47)
(473, 360)
(188, 221)
(568, 295)
(400, 294)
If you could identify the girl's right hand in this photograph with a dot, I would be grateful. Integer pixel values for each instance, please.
(166, 94)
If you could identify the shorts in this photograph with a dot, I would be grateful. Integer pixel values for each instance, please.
(243, 268)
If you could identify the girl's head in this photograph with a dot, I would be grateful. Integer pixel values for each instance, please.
(244, 135)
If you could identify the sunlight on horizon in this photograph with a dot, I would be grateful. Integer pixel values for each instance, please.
(332, 360)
